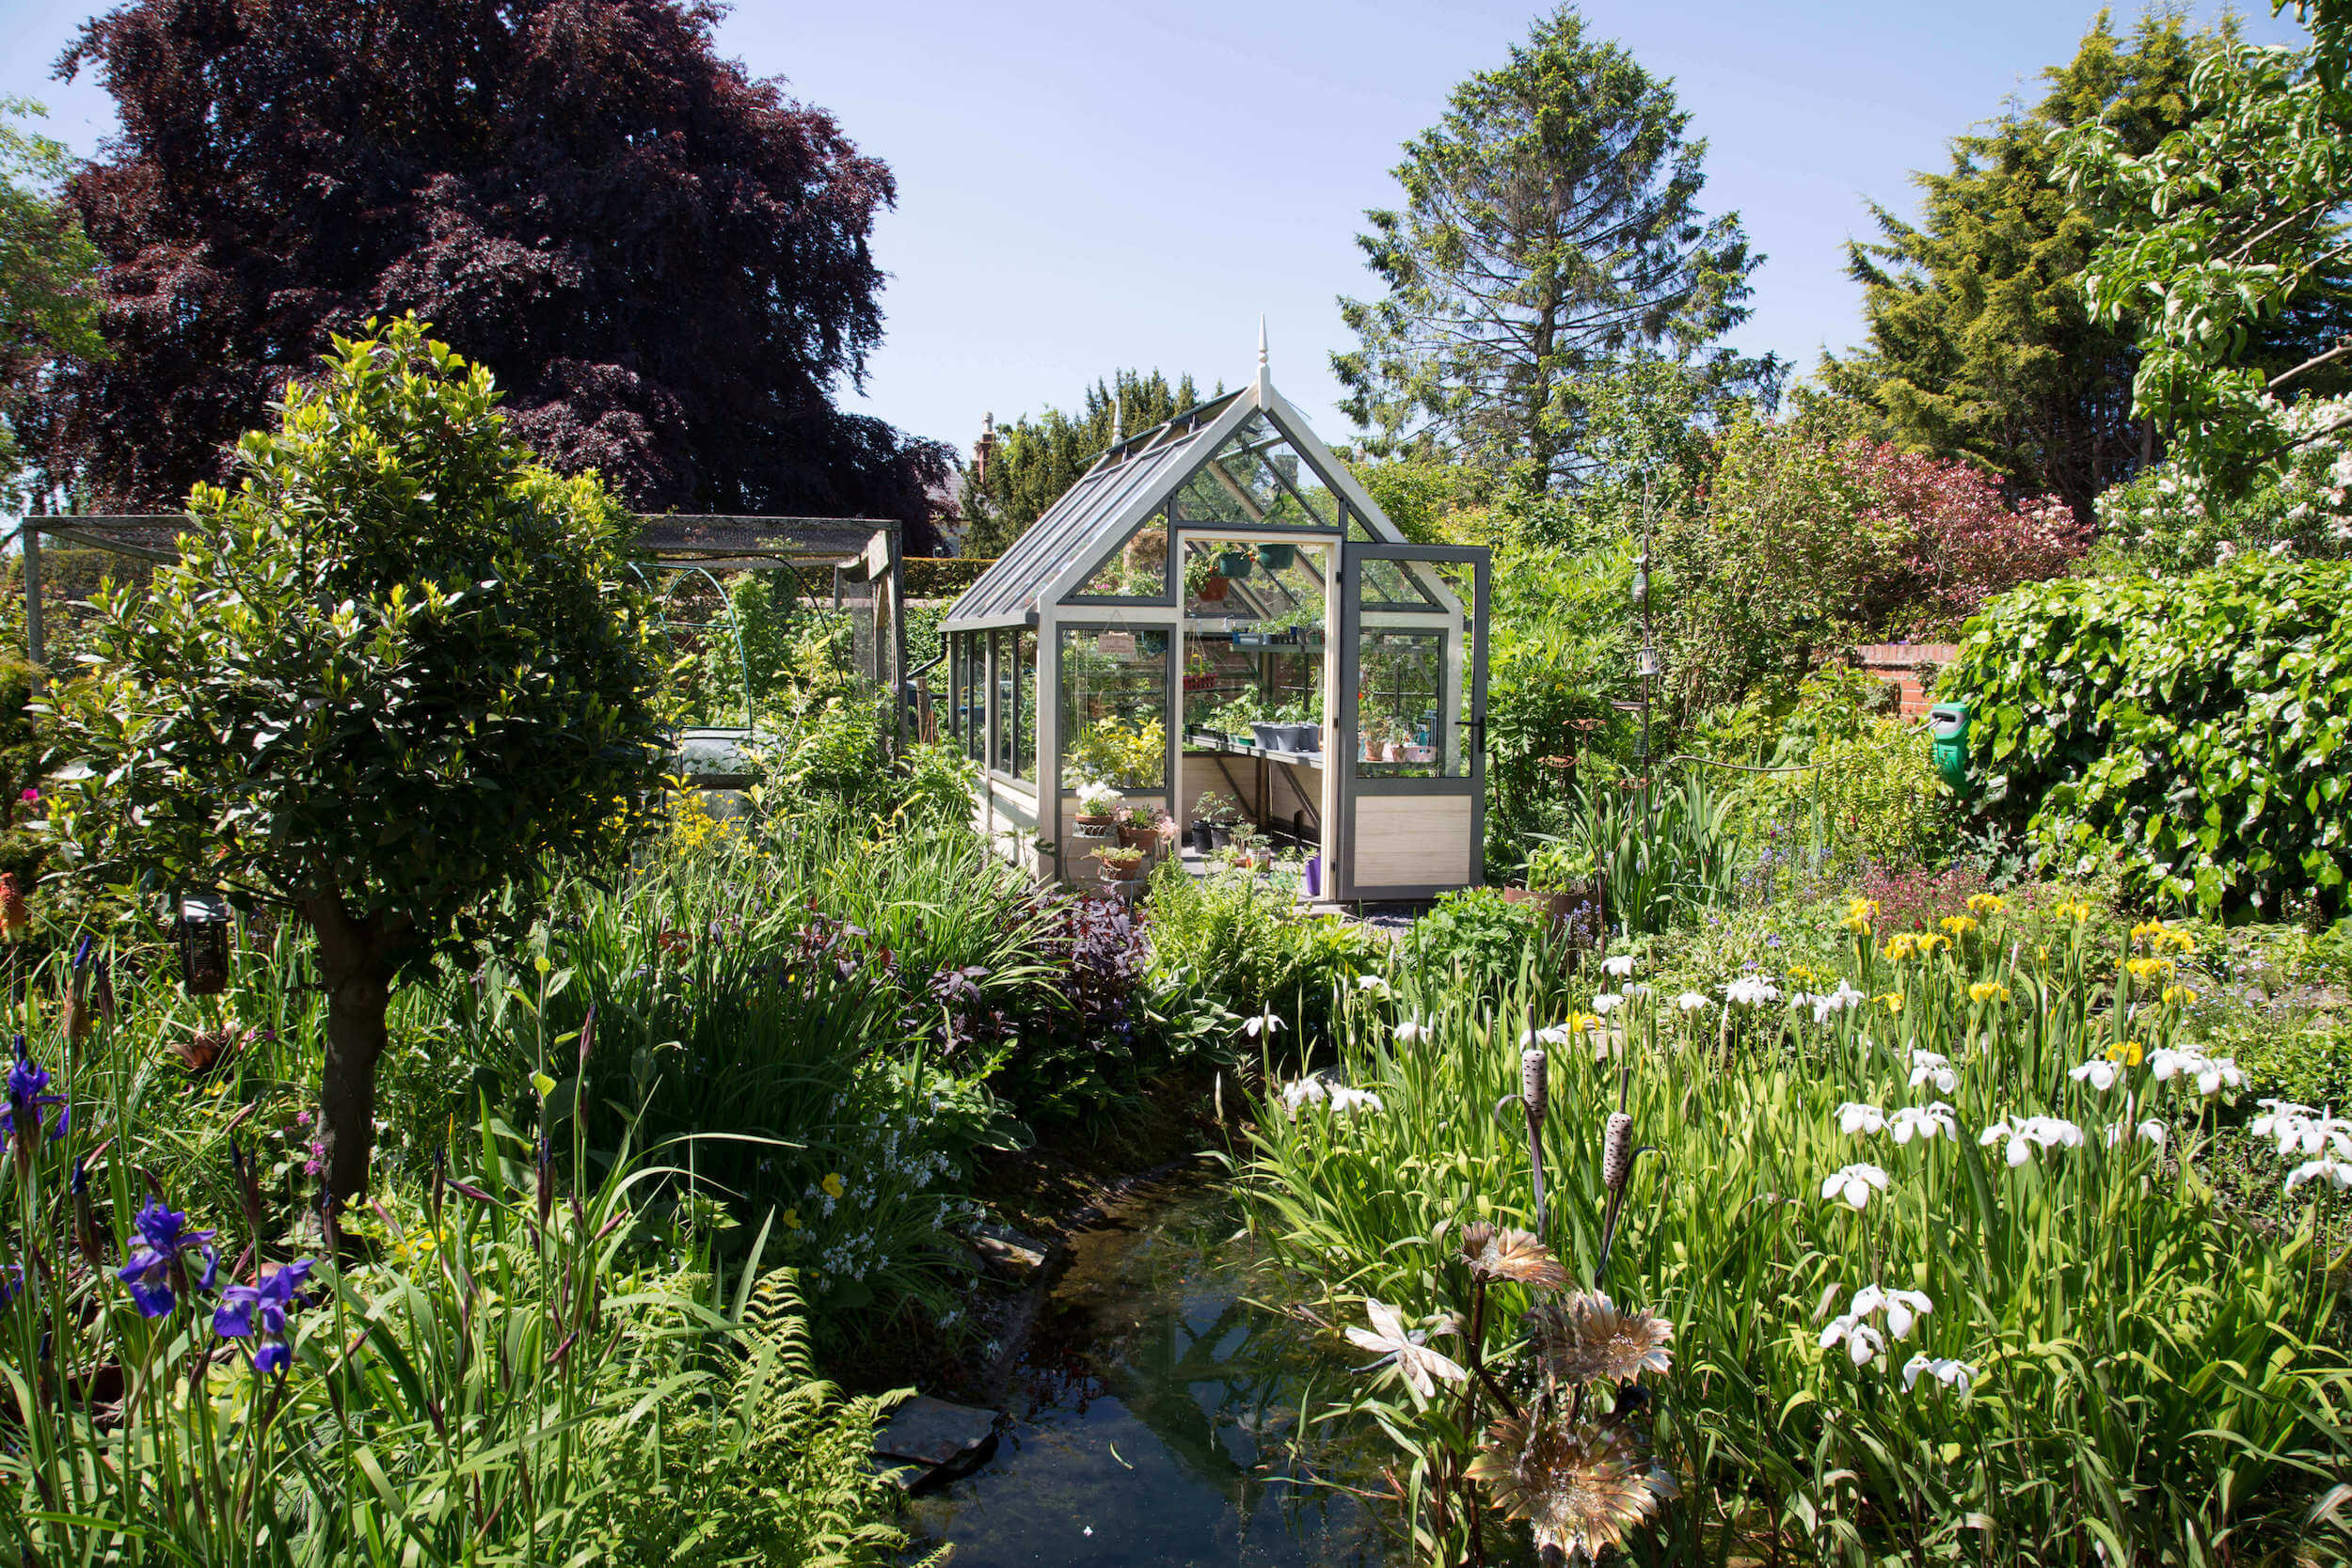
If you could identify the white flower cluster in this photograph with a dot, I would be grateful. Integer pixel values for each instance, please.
(1854, 1184)
(1343, 1100)
(2212, 1074)
(2027, 1132)
(2301, 1129)
(1863, 1339)
(1751, 990)
(1904, 1123)
(1928, 1067)
(1952, 1374)
(851, 1257)
(1828, 1007)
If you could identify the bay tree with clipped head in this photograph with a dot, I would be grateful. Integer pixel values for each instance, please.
(395, 678)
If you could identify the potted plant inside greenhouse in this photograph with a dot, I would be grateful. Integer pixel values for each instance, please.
(1135, 828)
(1235, 562)
(1204, 581)
(1118, 863)
(1214, 815)
(1098, 802)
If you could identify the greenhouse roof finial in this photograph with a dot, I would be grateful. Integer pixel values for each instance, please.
(1264, 380)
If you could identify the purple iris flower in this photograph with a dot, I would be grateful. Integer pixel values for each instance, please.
(155, 1272)
(25, 1083)
(258, 1312)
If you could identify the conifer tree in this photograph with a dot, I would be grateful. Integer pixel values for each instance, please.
(1551, 230)
(1037, 459)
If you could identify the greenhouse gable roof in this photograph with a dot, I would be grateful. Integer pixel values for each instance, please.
(1138, 475)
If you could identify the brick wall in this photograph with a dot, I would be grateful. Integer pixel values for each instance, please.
(1900, 664)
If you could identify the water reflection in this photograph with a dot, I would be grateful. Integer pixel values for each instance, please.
(1156, 1418)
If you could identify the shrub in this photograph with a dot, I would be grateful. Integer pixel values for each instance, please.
(1486, 941)
(1239, 943)
(2192, 731)
(395, 677)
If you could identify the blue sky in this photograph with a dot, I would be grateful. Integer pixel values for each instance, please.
(1087, 185)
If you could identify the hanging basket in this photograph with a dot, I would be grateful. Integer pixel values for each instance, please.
(1276, 558)
(1234, 564)
(1212, 590)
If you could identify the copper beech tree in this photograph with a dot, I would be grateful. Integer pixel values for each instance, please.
(395, 678)
(664, 260)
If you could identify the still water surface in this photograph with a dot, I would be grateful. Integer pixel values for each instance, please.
(1156, 1413)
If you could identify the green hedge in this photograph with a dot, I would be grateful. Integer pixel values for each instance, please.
(943, 576)
(2191, 730)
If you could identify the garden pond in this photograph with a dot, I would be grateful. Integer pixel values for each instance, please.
(1155, 1414)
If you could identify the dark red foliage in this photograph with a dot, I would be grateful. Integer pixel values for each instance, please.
(664, 262)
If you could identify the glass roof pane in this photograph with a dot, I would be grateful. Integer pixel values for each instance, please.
(1135, 569)
(1259, 479)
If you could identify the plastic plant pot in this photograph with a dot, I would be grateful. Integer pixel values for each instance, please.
(1314, 875)
(1276, 558)
(1234, 564)
(1269, 735)
(1302, 738)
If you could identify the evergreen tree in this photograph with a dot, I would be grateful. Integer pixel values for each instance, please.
(1551, 230)
(1037, 459)
(1980, 341)
(664, 260)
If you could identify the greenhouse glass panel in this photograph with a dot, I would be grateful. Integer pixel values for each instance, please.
(1000, 659)
(1135, 570)
(1025, 708)
(1114, 707)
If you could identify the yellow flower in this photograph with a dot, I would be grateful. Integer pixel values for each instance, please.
(2180, 996)
(1584, 1023)
(2179, 940)
(1987, 990)
(1859, 914)
(1900, 946)
(2041, 954)
(1894, 1001)
(2128, 1053)
(2145, 970)
(1987, 903)
(541, 964)
(832, 1184)
(1929, 942)
(1959, 925)
(791, 1219)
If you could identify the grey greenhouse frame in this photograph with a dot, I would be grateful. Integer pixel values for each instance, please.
(1227, 553)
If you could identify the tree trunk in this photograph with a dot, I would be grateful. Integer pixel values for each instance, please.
(354, 964)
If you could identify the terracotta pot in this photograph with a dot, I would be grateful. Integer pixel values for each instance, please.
(1118, 870)
(1214, 590)
(1103, 819)
(1555, 906)
(1392, 752)
(1136, 838)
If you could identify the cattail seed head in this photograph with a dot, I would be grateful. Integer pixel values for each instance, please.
(1535, 1082)
(1617, 1152)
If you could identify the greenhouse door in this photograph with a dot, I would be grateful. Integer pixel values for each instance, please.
(1411, 766)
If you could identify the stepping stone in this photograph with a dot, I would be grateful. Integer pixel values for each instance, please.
(947, 1440)
(1008, 1254)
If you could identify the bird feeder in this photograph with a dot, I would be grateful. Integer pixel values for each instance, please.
(203, 938)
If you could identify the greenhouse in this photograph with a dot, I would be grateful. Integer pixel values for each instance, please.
(1175, 626)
